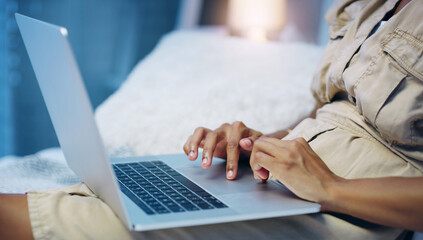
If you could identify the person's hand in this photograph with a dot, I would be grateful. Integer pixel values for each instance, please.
(294, 164)
(228, 141)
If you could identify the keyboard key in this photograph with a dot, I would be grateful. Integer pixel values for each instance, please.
(155, 181)
(165, 200)
(203, 194)
(149, 188)
(147, 164)
(189, 195)
(126, 181)
(161, 185)
(156, 171)
(172, 172)
(123, 166)
(144, 195)
(169, 191)
(173, 195)
(162, 211)
(141, 170)
(179, 198)
(149, 200)
(164, 167)
(176, 208)
(139, 191)
(158, 163)
(190, 207)
(205, 206)
(132, 185)
(219, 205)
(165, 188)
(198, 202)
(153, 203)
(156, 193)
(149, 176)
(182, 201)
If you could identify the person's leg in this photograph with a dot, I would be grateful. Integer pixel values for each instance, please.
(14, 217)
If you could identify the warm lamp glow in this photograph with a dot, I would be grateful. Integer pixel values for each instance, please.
(256, 19)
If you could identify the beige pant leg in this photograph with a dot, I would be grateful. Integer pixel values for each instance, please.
(72, 213)
(75, 213)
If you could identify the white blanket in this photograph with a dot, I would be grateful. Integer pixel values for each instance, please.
(202, 79)
(191, 79)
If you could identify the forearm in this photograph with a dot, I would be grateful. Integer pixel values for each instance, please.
(282, 133)
(392, 201)
(14, 217)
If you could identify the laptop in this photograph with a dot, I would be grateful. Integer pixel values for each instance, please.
(148, 192)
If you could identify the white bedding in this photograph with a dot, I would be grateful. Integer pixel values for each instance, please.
(202, 79)
(191, 79)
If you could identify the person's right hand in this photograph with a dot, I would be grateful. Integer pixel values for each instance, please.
(228, 141)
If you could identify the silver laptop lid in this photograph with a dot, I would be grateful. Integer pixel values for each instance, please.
(69, 108)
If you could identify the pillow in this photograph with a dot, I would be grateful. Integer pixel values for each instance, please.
(199, 78)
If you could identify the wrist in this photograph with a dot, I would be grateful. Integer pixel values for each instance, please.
(332, 199)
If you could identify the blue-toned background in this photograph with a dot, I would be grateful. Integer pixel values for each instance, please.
(108, 37)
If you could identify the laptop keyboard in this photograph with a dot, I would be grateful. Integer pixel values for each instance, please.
(158, 189)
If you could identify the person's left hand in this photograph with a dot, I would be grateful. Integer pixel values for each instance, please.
(294, 164)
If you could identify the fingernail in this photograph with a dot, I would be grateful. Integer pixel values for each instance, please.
(230, 174)
(204, 161)
(192, 154)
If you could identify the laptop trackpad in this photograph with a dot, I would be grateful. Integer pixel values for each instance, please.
(214, 179)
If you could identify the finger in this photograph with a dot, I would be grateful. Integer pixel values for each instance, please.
(286, 150)
(267, 145)
(297, 144)
(220, 150)
(210, 143)
(263, 174)
(259, 159)
(186, 145)
(273, 147)
(274, 141)
(246, 144)
(197, 137)
(232, 149)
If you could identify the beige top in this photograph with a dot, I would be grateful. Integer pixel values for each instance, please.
(382, 75)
